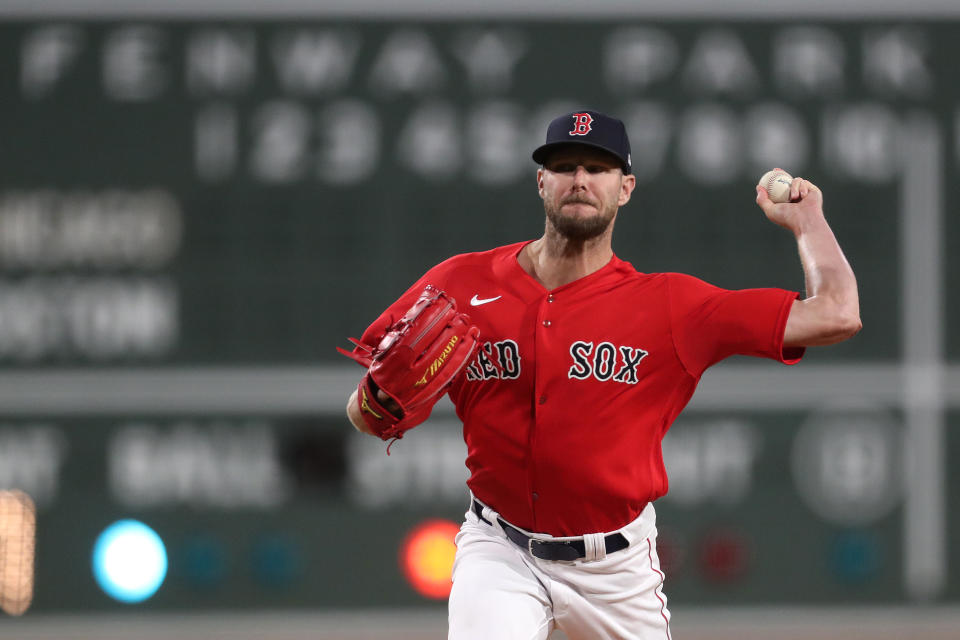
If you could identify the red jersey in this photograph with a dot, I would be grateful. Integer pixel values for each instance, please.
(566, 403)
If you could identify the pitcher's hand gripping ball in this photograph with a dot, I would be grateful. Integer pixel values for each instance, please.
(417, 358)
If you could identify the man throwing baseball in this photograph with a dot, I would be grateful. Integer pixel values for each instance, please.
(567, 367)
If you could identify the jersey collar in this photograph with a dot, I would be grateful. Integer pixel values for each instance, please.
(509, 268)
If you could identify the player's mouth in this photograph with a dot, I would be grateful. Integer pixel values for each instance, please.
(579, 200)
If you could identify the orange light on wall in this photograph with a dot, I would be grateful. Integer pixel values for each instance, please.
(426, 557)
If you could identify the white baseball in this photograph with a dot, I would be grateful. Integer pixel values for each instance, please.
(777, 184)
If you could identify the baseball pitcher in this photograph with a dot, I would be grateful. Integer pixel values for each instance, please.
(567, 366)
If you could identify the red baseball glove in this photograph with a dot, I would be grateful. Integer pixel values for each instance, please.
(416, 360)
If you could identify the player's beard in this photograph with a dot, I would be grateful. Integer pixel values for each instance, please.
(579, 228)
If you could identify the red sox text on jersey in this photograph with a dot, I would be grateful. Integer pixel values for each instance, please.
(567, 401)
(501, 360)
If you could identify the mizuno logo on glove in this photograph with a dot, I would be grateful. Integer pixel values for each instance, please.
(365, 405)
(436, 364)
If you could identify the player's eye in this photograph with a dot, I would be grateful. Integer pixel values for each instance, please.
(563, 167)
(597, 168)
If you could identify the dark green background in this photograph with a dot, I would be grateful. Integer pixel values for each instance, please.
(279, 275)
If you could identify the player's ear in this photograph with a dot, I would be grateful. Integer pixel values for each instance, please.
(540, 181)
(627, 185)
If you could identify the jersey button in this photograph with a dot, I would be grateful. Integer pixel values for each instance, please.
(550, 298)
(543, 399)
(547, 323)
(536, 496)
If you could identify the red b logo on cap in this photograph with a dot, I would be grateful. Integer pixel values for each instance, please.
(581, 124)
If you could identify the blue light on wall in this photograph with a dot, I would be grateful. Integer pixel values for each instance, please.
(129, 561)
(856, 557)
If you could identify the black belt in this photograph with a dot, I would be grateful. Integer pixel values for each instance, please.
(551, 549)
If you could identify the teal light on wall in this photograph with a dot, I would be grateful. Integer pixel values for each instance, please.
(129, 561)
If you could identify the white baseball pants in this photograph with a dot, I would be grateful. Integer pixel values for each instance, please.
(500, 591)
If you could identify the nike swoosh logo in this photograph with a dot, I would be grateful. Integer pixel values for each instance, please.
(476, 302)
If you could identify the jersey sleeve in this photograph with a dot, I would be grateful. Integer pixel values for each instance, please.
(710, 323)
(396, 310)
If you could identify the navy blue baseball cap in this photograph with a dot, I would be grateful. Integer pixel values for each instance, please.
(591, 128)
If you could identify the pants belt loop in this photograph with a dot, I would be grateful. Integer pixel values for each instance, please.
(489, 515)
(595, 546)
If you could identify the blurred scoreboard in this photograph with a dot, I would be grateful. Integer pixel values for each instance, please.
(207, 192)
(195, 211)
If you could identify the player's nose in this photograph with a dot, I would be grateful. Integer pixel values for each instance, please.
(580, 175)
